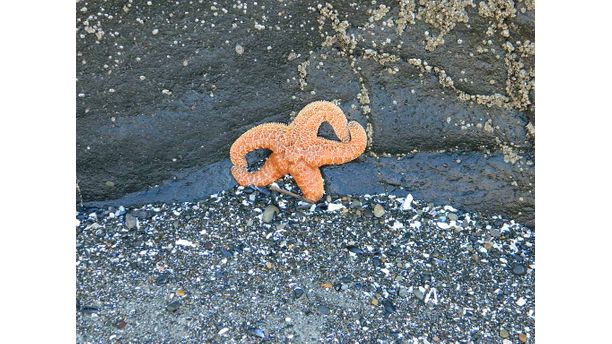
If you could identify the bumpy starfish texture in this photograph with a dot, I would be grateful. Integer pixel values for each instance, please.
(298, 150)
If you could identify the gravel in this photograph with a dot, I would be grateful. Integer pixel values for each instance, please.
(214, 271)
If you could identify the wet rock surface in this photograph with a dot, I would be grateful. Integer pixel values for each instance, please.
(163, 89)
(469, 180)
(214, 271)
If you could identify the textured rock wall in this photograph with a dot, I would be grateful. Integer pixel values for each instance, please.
(163, 88)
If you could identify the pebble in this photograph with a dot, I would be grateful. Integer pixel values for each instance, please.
(452, 217)
(173, 306)
(298, 292)
(239, 49)
(88, 310)
(326, 285)
(269, 213)
(379, 211)
(388, 306)
(323, 309)
(504, 333)
(354, 249)
(257, 332)
(130, 221)
(142, 214)
(121, 324)
(519, 269)
(355, 204)
(419, 294)
(163, 278)
(522, 337)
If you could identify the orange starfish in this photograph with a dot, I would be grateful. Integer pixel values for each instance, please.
(298, 150)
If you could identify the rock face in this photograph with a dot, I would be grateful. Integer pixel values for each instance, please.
(163, 89)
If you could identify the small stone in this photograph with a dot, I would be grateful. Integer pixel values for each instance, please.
(518, 269)
(109, 184)
(163, 278)
(269, 213)
(323, 309)
(452, 217)
(355, 204)
(130, 221)
(504, 333)
(173, 306)
(488, 245)
(379, 211)
(257, 332)
(354, 249)
(180, 292)
(338, 286)
(495, 232)
(155, 31)
(522, 337)
(121, 324)
(419, 293)
(141, 213)
(374, 301)
(89, 310)
(239, 49)
(326, 285)
(388, 306)
(298, 292)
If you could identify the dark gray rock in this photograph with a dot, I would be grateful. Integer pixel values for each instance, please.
(481, 182)
(164, 89)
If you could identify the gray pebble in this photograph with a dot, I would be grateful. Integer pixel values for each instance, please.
(163, 278)
(257, 332)
(419, 294)
(519, 269)
(298, 292)
(388, 306)
(173, 306)
(452, 217)
(323, 309)
(379, 211)
(355, 204)
(130, 221)
(269, 213)
(495, 232)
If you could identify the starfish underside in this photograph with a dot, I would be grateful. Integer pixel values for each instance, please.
(298, 150)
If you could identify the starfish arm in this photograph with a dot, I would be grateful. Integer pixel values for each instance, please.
(309, 180)
(328, 152)
(264, 136)
(306, 124)
(266, 175)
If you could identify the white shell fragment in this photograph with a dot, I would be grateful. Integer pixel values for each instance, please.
(184, 242)
(407, 204)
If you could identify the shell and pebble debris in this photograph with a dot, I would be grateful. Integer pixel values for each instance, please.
(215, 271)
